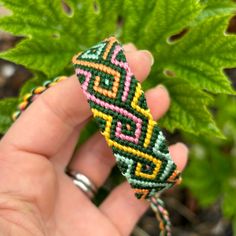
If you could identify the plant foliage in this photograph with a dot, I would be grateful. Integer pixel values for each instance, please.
(191, 65)
(191, 46)
(187, 38)
(211, 172)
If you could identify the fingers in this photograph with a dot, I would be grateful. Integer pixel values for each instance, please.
(130, 47)
(123, 208)
(62, 157)
(47, 123)
(122, 204)
(179, 154)
(137, 61)
(95, 158)
(158, 101)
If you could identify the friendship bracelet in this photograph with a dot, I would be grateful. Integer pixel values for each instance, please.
(33, 94)
(119, 107)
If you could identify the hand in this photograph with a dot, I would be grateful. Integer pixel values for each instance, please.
(36, 196)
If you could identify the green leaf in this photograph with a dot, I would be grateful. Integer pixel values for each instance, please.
(132, 28)
(109, 13)
(157, 20)
(201, 56)
(53, 32)
(188, 110)
(36, 55)
(7, 108)
(33, 19)
(83, 11)
(229, 205)
(167, 18)
(32, 83)
(207, 172)
(217, 8)
(212, 165)
(234, 226)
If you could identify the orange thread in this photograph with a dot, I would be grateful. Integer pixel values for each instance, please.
(112, 40)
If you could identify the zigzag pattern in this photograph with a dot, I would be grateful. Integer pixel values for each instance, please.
(119, 107)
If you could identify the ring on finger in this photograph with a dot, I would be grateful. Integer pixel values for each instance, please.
(82, 182)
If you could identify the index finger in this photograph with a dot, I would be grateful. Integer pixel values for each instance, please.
(47, 123)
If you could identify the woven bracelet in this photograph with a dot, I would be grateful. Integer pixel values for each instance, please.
(119, 107)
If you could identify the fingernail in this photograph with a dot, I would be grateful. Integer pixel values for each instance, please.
(149, 55)
(129, 47)
(183, 147)
(163, 89)
(161, 86)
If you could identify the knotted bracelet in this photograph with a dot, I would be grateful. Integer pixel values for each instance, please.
(119, 107)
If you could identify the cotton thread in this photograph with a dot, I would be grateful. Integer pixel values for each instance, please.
(33, 94)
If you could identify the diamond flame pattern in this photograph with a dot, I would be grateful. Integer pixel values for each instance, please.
(119, 107)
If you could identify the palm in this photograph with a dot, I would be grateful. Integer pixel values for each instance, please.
(84, 217)
(36, 197)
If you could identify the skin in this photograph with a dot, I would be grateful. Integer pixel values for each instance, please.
(36, 196)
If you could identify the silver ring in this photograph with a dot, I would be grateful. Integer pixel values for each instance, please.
(82, 182)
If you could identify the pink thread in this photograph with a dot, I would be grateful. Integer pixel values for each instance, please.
(112, 107)
(125, 66)
(161, 209)
(127, 137)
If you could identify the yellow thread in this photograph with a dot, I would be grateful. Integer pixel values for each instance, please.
(27, 96)
(52, 84)
(14, 115)
(39, 89)
(138, 172)
(23, 105)
(110, 142)
(61, 78)
(146, 113)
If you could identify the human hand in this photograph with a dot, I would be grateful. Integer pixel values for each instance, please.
(37, 198)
